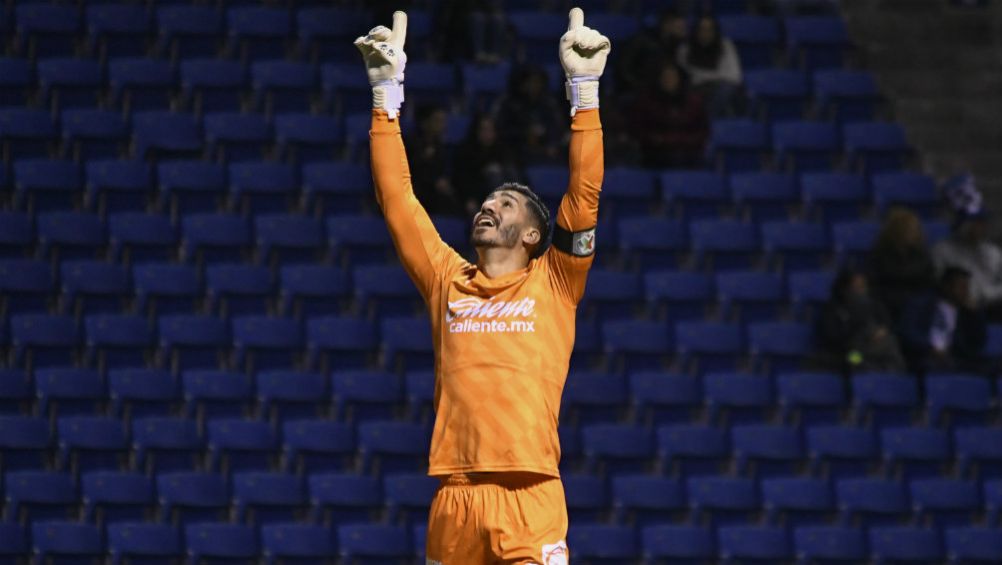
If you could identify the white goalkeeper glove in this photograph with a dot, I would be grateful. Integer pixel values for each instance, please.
(383, 52)
(583, 52)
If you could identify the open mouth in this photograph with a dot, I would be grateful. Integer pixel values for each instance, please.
(485, 222)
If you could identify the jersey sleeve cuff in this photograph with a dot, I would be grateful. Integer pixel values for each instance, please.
(586, 120)
(381, 122)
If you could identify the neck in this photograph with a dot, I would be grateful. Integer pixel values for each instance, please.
(497, 262)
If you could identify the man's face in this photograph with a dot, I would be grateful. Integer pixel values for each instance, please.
(501, 220)
(706, 32)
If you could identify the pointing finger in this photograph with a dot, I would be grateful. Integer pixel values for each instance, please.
(399, 34)
(576, 19)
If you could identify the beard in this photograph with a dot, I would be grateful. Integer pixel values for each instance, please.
(501, 236)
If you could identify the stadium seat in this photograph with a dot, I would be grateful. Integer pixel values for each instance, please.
(188, 31)
(343, 498)
(945, 502)
(166, 288)
(873, 147)
(846, 95)
(65, 391)
(139, 237)
(610, 295)
(336, 185)
(128, 540)
(810, 397)
(192, 342)
(241, 445)
(392, 446)
(723, 500)
(190, 186)
(39, 495)
(602, 544)
(17, 234)
(47, 185)
(830, 543)
(27, 286)
(25, 442)
(191, 497)
(93, 287)
(216, 394)
(979, 451)
(262, 186)
(763, 196)
(645, 500)
(742, 543)
(833, 196)
(160, 135)
(304, 138)
(756, 38)
(266, 343)
(138, 84)
(766, 450)
(795, 245)
(166, 444)
(711, 346)
(230, 136)
(915, 452)
(777, 94)
(836, 451)
(406, 343)
(69, 83)
(111, 497)
(52, 540)
(692, 450)
(408, 496)
(117, 186)
(659, 398)
(268, 498)
(736, 398)
(817, 42)
(88, 443)
(238, 544)
(679, 295)
(780, 346)
(914, 545)
(45, 29)
(139, 393)
(592, 397)
(915, 191)
(957, 399)
(315, 289)
(282, 542)
(370, 542)
(617, 448)
(258, 32)
(94, 134)
(737, 145)
(315, 445)
(365, 395)
(808, 290)
(852, 240)
(693, 195)
(749, 296)
(872, 502)
(884, 399)
(797, 501)
(16, 80)
(40, 340)
(288, 238)
(284, 395)
(587, 498)
(322, 31)
(214, 85)
(805, 146)
(628, 191)
(358, 240)
(678, 543)
(724, 244)
(117, 30)
(282, 86)
(974, 544)
(652, 243)
(346, 342)
(238, 290)
(214, 237)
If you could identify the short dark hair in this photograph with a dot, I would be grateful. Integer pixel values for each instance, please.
(537, 210)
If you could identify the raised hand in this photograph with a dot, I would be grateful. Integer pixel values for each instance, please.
(383, 53)
(583, 53)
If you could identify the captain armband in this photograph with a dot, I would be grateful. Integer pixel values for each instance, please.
(578, 243)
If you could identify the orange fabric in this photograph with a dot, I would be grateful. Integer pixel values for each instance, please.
(502, 346)
(510, 518)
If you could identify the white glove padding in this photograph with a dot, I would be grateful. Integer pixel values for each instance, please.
(583, 53)
(383, 52)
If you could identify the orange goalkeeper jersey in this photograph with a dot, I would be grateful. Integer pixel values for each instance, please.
(502, 346)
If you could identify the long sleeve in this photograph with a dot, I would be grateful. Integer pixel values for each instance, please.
(572, 253)
(728, 67)
(421, 250)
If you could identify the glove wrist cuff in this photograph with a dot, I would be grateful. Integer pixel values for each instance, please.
(388, 95)
(582, 92)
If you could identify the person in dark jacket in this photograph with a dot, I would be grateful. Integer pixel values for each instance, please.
(943, 330)
(900, 264)
(429, 163)
(854, 330)
(671, 121)
(640, 57)
(481, 163)
(529, 117)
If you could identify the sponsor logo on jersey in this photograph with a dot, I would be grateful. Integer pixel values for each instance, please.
(474, 315)
(555, 553)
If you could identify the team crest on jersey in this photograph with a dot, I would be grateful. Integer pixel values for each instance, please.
(583, 242)
(555, 553)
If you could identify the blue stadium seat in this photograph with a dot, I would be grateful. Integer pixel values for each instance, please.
(192, 342)
(808, 291)
(137, 540)
(138, 393)
(315, 445)
(484, 84)
(188, 31)
(406, 343)
(94, 134)
(241, 445)
(370, 543)
(816, 42)
(629, 191)
(191, 186)
(852, 240)
(340, 342)
(685, 450)
(610, 294)
(795, 245)
(365, 395)
(25, 442)
(284, 395)
(738, 544)
(67, 391)
(839, 452)
(766, 450)
(652, 242)
(213, 85)
(603, 544)
(710, 346)
(658, 398)
(16, 80)
(979, 451)
(974, 544)
(679, 295)
(533, 28)
(17, 234)
(39, 495)
(617, 448)
(268, 498)
(805, 146)
(358, 240)
(830, 543)
(737, 398)
(408, 496)
(915, 191)
(26, 286)
(678, 543)
(587, 498)
(45, 29)
(915, 452)
(88, 443)
(282, 86)
(993, 501)
(322, 31)
(645, 500)
(117, 185)
(872, 501)
(40, 340)
(135, 237)
(723, 500)
(230, 542)
(231, 136)
(737, 145)
(945, 502)
(592, 397)
(234, 289)
(69, 83)
(873, 147)
(17, 392)
(724, 244)
(419, 391)
(74, 541)
(264, 343)
(749, 296)
(341, 186)
(288, 238)
(884, 399)
(392, 446)
(166, 444)
(305, 138)
(117, 30)
(763, 196)
(70, 235)
(281, 543)
(46, 185)
(695, 194)
(777, 94)
(138, 84)
(216, 394)
(258, 32)
(957, 399)
(911, 544)
(117, 341)
(797, 501)
(833, 196)
(808, 398)
(432, 82)
(110, 497)
(165, 135)
(215, 237)
(779, 346)
(344, 498)
(316, 290)
(756, 38)
(166, 288)
(262, 186)
(91, 287)
(846, 95)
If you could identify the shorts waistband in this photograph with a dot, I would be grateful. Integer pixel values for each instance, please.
(515, 479)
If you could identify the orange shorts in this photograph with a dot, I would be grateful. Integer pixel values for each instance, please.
(498, 518)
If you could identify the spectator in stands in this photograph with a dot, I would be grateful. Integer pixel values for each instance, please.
(481, 163)
(854, 329)
(968, 247)
(429, 163)
(944, 330)
(712, 61)
(670, 121)
(529, 117)
(641, 56)
(900, 265)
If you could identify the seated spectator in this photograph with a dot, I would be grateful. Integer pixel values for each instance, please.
(854, 329)
(529, 117)
(670, 121)
(712, 61)
(968, 246)
(429, 162)
(943, 330)
(639, 59)
(481, 164)
(899, 264)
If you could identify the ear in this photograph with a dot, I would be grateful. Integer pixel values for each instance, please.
(531, 236)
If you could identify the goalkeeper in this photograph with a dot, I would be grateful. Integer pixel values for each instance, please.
(502, 328)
